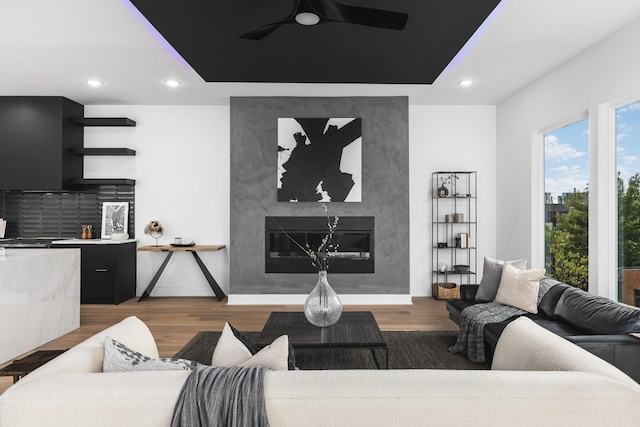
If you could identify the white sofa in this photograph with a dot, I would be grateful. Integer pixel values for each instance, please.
(537, 379)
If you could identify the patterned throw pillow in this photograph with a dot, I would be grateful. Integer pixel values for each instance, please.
(121, 358)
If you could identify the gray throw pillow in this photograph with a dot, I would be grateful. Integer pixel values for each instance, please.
(491, 275)
(121, 358)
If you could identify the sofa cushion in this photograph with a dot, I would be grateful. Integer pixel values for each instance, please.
(549, 301)
(491, 275)
(121, 358)
(519, 288)
(622, 351)
(592, 314)
(558, 328)
(492, 332)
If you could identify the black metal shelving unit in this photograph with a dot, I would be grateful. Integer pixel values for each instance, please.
(454, 226)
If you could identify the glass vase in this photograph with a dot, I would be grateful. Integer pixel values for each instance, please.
(322, 307)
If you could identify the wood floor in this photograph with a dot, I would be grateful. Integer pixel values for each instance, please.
(174, 321)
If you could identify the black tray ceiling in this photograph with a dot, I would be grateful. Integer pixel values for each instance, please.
(207, 35)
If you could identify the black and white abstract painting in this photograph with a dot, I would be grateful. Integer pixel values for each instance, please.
(319, 160)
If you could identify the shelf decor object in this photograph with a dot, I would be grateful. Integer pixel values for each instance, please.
(454, 231)
(443, 191)
(154, 229)
(446, 291)
(445, 182)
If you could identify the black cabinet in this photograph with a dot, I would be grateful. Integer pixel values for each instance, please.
(37, 134)
(108, 272)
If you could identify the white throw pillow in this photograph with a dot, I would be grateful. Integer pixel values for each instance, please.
(519, 288)
(274, 356)
(230, 351)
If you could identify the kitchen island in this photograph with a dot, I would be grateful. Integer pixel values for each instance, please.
(39, 298)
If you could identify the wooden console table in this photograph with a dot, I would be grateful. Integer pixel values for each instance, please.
(193, 249)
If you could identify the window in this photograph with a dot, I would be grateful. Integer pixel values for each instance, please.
(628, 173)
(566, 216)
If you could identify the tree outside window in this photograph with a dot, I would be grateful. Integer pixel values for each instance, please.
(628, 169)
(567, 204)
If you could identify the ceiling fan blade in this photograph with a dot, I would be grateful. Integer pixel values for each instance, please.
(380, 18)
(261, 32)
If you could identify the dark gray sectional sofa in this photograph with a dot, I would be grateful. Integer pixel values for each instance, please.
(599, 325)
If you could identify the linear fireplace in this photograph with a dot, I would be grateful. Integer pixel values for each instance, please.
(354, 237)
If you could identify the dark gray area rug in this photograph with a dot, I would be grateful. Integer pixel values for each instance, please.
(407, 350)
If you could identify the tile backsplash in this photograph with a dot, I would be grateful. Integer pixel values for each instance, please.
(61, 213)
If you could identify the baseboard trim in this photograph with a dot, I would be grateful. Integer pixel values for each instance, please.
(421, 291)
(298, 299)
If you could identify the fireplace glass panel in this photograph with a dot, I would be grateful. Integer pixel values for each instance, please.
(354, 238)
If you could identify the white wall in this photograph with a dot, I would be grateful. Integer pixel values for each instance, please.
(602, 74)
(443, 138)
(182, 180)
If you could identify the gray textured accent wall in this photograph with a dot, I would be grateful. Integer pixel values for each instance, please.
(385, 191)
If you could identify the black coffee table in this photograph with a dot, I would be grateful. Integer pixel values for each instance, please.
(354, 330)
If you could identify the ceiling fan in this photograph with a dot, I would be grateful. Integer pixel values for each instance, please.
(312, 12)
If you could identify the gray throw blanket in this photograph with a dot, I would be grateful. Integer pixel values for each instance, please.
(473, 318)
(225, 397)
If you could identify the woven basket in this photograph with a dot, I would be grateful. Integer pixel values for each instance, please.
(446, 291)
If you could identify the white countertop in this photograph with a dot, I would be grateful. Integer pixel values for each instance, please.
(18, 253)
(92, 242)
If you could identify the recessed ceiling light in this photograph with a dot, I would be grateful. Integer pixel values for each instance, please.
(172, 83)
(307, 18)
(465, 83)
(94, 83)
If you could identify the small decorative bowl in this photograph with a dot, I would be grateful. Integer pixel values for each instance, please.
(461, 268)
(119, 236)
